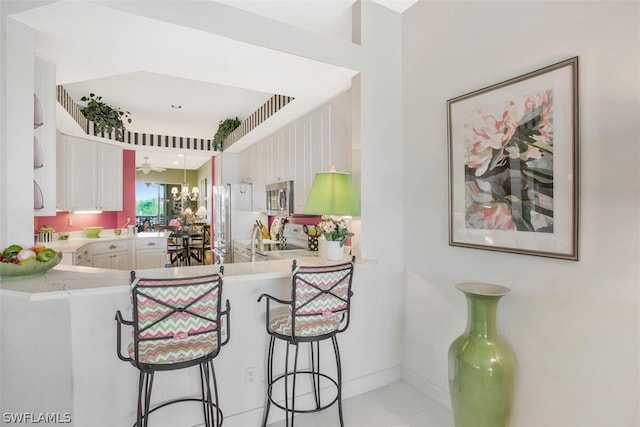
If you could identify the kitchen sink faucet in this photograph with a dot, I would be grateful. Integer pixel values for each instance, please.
(256, 239)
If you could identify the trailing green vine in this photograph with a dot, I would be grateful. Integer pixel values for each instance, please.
(104, 116)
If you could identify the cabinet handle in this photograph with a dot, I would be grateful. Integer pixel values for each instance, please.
(112, 246)
(151, 243)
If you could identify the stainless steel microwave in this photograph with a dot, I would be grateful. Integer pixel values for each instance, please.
(280, 198)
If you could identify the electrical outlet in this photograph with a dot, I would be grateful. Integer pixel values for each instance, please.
(250, 375)
(70, 222)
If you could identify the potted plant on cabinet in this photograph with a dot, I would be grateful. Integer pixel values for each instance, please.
(104, 116)
(225, 127)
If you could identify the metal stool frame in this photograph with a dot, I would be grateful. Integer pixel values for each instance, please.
(213, 415)
(314, 343)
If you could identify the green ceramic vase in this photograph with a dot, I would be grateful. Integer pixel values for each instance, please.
(481, 364)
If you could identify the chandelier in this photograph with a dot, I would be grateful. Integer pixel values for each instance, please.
(185, 194)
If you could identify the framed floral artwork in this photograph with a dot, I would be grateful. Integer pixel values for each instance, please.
(513, 164)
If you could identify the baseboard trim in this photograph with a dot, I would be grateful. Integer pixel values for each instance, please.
(350, 388)
(427, 387)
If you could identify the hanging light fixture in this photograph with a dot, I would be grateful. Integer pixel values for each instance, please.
(185, 194)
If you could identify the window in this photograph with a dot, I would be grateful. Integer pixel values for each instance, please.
(154, 205)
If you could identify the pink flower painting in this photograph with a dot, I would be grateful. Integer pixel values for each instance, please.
(509, 165)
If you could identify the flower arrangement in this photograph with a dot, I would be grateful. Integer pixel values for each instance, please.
(335, 229)
(187, 218)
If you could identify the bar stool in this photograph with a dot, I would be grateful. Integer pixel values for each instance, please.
(318, 310)
(177, 323)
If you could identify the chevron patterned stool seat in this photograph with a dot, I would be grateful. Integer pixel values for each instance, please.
(172, 350)
(177, 323)
(281, 321)
(318, 310)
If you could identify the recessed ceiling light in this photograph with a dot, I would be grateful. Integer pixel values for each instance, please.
(176, 106)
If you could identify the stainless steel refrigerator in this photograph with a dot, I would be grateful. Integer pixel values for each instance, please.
(233, 218)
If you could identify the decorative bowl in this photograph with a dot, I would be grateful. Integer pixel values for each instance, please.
(30, 268)
(92, 232)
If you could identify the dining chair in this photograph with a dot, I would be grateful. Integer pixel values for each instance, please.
(175, 247)
(201, 245)
(318, 310)
(177, 323)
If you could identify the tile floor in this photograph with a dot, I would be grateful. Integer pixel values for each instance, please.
(396, 405)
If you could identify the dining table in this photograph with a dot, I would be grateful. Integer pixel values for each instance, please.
(186, 236)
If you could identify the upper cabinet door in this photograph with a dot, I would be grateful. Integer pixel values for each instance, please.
(339, 142)
(92, 175)
(260, 162)
(80, 174)
(109, 182)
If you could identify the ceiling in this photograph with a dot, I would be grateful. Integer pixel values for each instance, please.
(148, 65)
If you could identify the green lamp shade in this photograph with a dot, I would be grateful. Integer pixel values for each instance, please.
(332, 194)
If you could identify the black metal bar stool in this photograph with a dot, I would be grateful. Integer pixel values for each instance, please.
(318, 310)
(177, 323)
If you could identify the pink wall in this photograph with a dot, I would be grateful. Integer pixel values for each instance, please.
(128, 189)
(60, 222)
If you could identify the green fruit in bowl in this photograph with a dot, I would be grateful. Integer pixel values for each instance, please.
(10, 250)
(30, 267)
(46, 255)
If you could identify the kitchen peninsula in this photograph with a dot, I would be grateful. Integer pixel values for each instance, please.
(61, 331)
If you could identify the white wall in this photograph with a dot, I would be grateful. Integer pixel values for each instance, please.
(574, 326)
(17, 135)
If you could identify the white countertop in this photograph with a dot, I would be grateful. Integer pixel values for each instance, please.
(270, 248)
(63, 280)
(76, 241)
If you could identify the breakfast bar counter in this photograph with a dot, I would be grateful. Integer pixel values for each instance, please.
(58, 352)
(66, 278)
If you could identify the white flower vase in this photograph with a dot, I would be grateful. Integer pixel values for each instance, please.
(335, 252)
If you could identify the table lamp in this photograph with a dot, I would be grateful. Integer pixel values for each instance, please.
(201, 213)
(332, 194)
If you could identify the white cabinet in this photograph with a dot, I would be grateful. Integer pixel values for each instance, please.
(89, 175)
(245, 166)
(83, 256)
(281, 149)
(151, 252)
(329, 138)
(338, 145)
(260, 163)
(301, 181)
(117, 255)
(109, 177)
(297, 152)
(115, 261)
